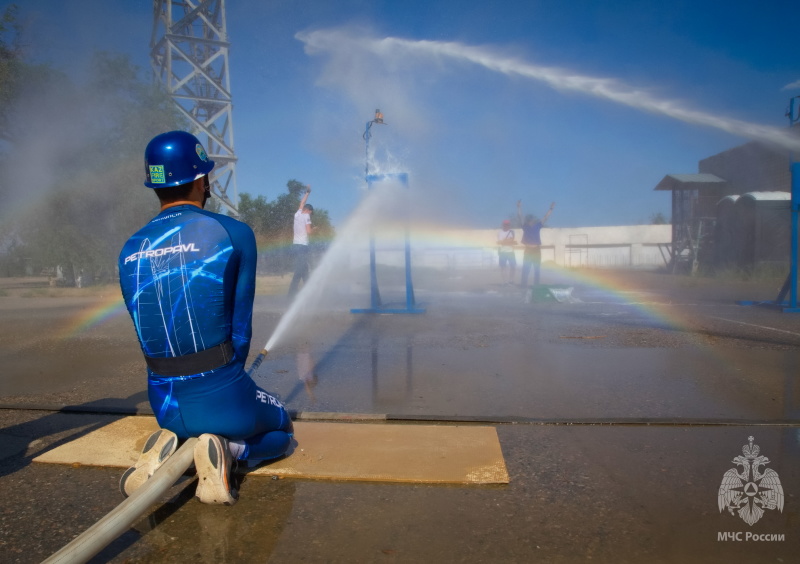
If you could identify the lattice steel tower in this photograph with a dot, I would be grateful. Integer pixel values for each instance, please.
(189, 55)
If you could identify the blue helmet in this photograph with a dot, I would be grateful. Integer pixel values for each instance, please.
(175, 158)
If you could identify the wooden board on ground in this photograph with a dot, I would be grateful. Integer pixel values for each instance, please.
(384, 452)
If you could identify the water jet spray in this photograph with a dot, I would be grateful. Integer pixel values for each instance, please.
(559, 79)
(350, 235)
(359, 222)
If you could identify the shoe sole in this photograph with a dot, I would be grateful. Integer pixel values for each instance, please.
(157, 449)
(213, 463)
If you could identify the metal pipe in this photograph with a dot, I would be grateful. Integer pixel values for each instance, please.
(120, 519)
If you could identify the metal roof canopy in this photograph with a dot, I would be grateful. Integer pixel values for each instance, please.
(768, 196)
(700, 181)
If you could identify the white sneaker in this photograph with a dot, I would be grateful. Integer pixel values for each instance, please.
(158, 447)
(213, 461)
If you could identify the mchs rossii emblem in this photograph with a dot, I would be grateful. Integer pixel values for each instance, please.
(750, 491)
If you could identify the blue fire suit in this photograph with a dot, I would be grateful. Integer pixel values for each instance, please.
(188, 281)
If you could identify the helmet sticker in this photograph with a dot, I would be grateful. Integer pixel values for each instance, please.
(201, 152)
(157, 174)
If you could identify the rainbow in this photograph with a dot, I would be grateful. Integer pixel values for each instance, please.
(272, 246)
(98, 313)
(617, 283)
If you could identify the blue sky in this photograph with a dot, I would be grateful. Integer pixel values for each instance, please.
(306, 76)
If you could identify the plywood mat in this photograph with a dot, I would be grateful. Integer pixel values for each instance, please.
(384, 452)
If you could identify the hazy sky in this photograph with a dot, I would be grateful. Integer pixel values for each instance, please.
(586, 103)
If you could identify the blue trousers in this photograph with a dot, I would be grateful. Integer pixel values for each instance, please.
(225, 402)
(300, 253)
(532, 257)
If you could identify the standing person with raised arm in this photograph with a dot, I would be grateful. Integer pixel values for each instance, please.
(532, 240)
(302, 229)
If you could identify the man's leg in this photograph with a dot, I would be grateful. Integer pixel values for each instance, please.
(272, 431)
(267, 446)
(503, 266)
(296, 276)
(526, 267)
(537, 263)
(184, 407)
(213, 461)
(161, 444)
(512, 260)
(249, 409)
(300, 253)
(157, 449)
(275, 429)
(306, 270)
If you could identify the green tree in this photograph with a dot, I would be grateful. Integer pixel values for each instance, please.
(255, 213)
(82, 179)
(658, 218)
(9, 63)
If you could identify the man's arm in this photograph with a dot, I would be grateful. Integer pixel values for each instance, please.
(304, 198)
(519, 211)
(547, 215)
(244, 242)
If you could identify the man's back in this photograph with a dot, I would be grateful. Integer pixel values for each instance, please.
(188, 280)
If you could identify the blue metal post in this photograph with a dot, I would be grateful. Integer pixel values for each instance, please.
(375, 302)
(790, 285)
(374, 292)
(410, 302)
(793, 262)
(794, 118)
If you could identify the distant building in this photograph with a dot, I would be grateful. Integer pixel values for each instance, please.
(735, 212)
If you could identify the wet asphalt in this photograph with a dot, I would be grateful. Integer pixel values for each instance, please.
(619, 412)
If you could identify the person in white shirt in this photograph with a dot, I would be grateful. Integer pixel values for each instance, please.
(302, 229)
(505, 251)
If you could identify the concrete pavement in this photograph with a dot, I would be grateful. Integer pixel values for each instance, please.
(618, 416)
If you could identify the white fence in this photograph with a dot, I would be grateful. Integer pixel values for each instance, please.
(645, 247)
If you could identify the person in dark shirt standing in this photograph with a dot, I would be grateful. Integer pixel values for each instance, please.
(532, 240)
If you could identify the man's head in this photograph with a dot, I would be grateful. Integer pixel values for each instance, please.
(173, 162)
(175, 158)
(308, 208)
(506, 223)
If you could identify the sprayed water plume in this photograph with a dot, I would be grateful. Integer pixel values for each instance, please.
(377, 210)
(403, 51)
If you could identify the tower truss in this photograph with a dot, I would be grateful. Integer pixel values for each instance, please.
(189, 56)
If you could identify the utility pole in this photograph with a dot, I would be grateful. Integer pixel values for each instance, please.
(189, 56)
